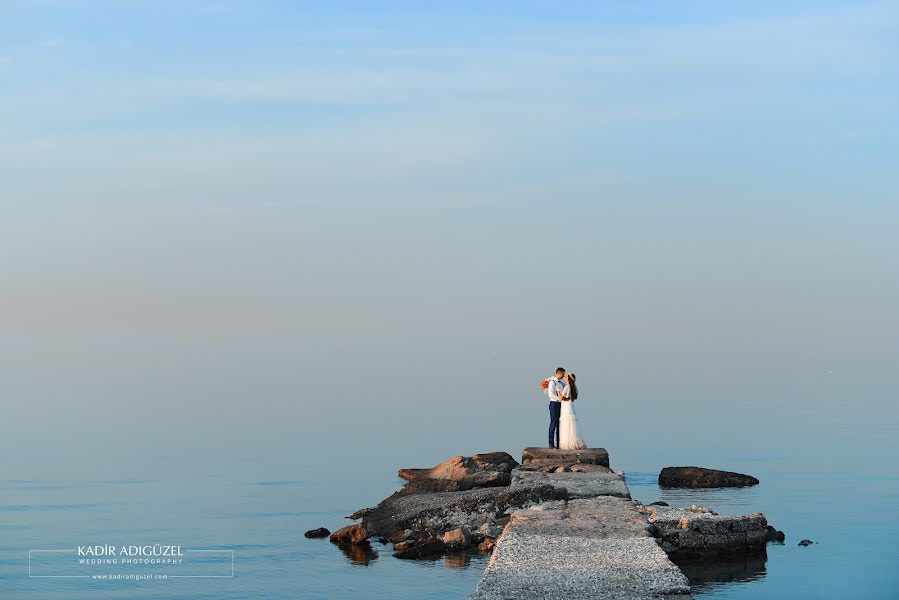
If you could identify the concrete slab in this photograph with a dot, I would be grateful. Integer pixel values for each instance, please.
(589, 548)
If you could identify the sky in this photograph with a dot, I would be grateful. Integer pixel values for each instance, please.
(217, 218)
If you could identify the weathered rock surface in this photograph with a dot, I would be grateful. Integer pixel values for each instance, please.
(460, 467)
(588, 548)
(426, 485)
(317, 533)
(695, 532)
(421, 545)
(699, 477)
(775, 535)
(495, 461)
(359, 513)
(351, 534)
(491, 528)
(578, 485)
(539, 458)
(440, 512)
(410, 474)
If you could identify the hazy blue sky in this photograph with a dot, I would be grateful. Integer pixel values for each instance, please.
(212, 212)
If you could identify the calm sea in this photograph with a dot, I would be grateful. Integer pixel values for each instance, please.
(828, 478)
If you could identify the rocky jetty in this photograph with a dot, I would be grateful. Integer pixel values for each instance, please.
(699, 477)
(462, 502)
(560, 521)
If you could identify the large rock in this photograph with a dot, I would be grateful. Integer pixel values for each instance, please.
(426, 485)
(440, 512)
(698, 477)
(698, 531)
(410, 474)
(457, 538)
(495, 461)
(454, 468)
(351, 534)
(460, 467)
(317, 533)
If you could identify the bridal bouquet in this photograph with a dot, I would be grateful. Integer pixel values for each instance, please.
(544, 384)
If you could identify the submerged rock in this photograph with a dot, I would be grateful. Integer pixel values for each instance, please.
(317, 533)
(699, 477)
(806, 542)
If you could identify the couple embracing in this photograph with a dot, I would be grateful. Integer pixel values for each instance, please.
(563, 429)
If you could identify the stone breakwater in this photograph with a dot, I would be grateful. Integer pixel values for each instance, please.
(560, 523)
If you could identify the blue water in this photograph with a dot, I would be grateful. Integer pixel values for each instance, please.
(262, 520)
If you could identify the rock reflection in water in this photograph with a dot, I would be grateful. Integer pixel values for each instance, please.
(359, 554)
(702, 572)
(457, 560)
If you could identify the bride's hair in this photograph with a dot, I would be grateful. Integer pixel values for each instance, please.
(571, 382)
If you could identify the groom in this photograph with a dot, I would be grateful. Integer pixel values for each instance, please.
(555, 406)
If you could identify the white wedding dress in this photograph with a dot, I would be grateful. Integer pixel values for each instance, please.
(569, 433)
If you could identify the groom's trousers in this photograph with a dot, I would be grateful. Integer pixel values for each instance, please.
(555, 409)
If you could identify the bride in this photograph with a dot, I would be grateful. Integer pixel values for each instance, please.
(569, 433)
